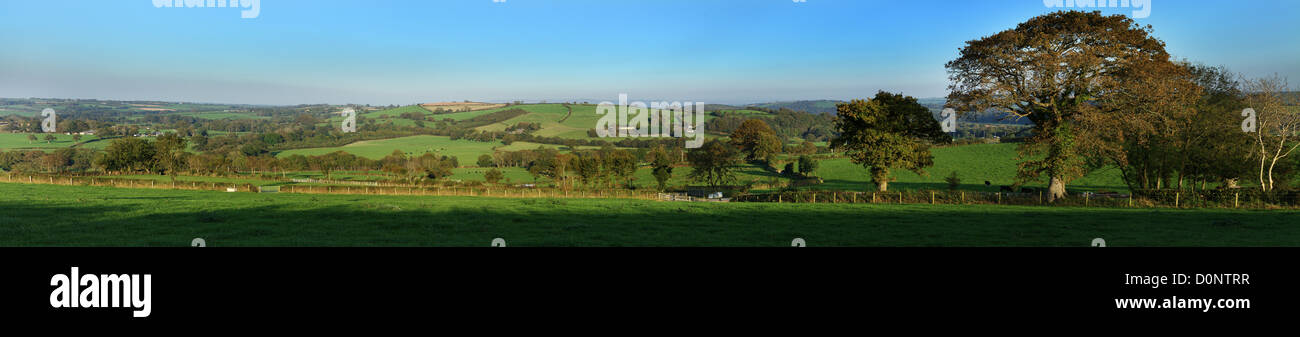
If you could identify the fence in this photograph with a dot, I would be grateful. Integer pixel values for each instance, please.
(1241, 198)
(1149, 199)
(385, 189)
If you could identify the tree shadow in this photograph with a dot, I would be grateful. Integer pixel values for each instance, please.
(351, 220)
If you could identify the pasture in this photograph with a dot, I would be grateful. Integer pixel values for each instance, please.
(974, 164)
(465, 151)
(48, 215)
(19, 141)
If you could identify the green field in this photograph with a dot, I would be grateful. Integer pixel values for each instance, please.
(974, 164)
(48, 215)
(466, 151)
(394, 112)
(220, 115)
(18, 141)
(556, 120)
(16, 112)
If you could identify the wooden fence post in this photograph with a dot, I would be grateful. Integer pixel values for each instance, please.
(1236, 198)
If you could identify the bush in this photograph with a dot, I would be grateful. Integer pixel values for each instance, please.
(493, 176)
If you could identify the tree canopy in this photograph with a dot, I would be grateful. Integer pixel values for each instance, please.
(891, 131)
(1050, 69)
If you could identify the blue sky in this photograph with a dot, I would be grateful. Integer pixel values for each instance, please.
(403, 52)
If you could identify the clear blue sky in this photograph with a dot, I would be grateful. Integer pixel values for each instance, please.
(409, 51)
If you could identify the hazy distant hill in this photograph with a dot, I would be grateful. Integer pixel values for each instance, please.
(991, 116)
(817, 106)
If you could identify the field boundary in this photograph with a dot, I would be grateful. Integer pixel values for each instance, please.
(930, 197)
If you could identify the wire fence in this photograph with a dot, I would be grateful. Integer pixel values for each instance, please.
(368, 189)
(1229, 198)
(1238, 198)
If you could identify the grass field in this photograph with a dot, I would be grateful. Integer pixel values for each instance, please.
(466, 151)
(221, 115)
(556, 120)
(974, 164)
(396, 111)
(18, 141)
(47, 215)
(16, 112)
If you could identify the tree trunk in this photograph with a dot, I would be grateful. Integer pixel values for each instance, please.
(880, 176)
(1270, 173)
(1056, 189)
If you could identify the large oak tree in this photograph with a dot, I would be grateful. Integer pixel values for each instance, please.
(1051, 70)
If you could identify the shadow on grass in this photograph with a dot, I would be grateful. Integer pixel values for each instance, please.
(306, 220)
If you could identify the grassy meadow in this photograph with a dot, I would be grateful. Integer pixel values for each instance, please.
(48, 215)
(466, 151)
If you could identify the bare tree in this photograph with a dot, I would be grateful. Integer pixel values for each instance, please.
(1276, 124)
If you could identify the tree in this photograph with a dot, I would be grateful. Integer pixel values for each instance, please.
(485, 160)
(76, 138)
(753, 139)
(58, 160)
(714, 163)
(435, 167)
(50, 139)
(1048, 69)
(327, 163)
(889, 132)
(126, 155)
(31, 138)
(1276, 125)
(790, 170)
(1173, 123)
(768, 146)
(622, 165)
(662, 163)
(587, 165)
(254, 149)
(549, 164)
(493, 176)
(169, 151)
(807, 165)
